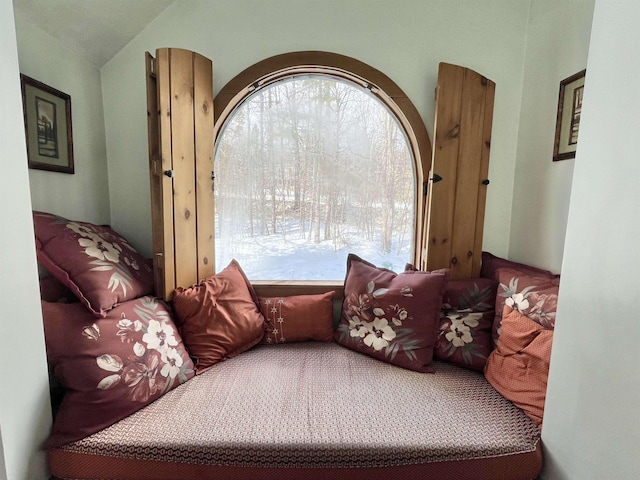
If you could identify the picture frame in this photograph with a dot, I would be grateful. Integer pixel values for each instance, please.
(47, 123)
(568, 117)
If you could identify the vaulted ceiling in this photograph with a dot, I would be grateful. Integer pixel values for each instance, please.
(96, 28)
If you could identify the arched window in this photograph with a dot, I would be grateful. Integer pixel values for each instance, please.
(317, 156)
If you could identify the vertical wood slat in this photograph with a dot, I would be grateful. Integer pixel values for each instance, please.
(203, 117)
(464, 113)
(484, 175)
(155, 173)
(444, 163)
(181, 142)
(183, 153)
(468, 175)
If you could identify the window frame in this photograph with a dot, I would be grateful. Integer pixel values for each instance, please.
(386, 90)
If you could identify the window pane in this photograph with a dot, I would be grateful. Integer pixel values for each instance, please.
(309, 169)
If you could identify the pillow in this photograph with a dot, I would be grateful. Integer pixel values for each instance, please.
(298, 318)
(519, 366)
(112, 366)
(52, 290)
(389, 316)
(533, 296)
(219, 317)
(491, 264)
(466, 320)
(99, 266)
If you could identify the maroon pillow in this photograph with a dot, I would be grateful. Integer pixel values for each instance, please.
(219, 318)
(535, 297)
(99, 266)
(298, 318)
(466, 320)
(110, 366)
(389, 316)
(491, 264)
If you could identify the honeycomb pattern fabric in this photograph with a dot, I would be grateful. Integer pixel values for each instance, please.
(318, 405)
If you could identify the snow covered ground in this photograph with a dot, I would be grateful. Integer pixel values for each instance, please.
(270, 257)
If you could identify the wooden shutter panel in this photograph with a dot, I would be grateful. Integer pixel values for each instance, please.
(180, 126)
(464, 113)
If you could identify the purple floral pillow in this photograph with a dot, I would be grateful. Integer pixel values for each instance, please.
(466, 320)
(535, 297)
(113, 366)
(389, 316)
(99, 266)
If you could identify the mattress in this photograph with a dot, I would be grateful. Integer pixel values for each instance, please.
(314, 410)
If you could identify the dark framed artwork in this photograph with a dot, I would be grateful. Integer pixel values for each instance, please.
(568, 119)
(47, 122)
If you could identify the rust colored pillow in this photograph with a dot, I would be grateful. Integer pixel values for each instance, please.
(389, 316)
(519, 366)
(98, 265)
(219, 317)
(112, 366)
(298, 318)
(534, 296)
(466, 320)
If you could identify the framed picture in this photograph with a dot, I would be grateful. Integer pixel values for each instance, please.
(47, 122)
(568, 119)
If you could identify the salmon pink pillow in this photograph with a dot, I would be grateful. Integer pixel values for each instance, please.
(113, 366)
(298, 318)
(219, 317)
(519, 366)
(533, 296)
(97, 264)
(389, 316)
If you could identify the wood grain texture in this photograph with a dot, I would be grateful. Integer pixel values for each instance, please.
(464, 113)
(183, 152)
(203, 126)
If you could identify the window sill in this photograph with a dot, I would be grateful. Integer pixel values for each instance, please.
(286, 288)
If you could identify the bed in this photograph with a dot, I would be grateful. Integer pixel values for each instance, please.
(419, 376)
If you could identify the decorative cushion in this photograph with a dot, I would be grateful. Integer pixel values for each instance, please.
(99, 266)
(219, 317)
(392, 317)
(519, 366)
(112, 366)
(491, 264)
(52, 290)
(298, 318)
(466, 320)
(533, 296)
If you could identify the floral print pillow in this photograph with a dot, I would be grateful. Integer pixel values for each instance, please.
(98, 265)
(112, 366)
(535, 297)
(389, 316)
(466, 319)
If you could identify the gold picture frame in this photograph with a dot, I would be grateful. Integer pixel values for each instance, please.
(568, 118)
(47, 123)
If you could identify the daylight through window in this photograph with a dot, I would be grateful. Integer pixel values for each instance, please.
(308, 169)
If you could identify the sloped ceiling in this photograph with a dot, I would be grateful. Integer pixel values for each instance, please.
(96, 28)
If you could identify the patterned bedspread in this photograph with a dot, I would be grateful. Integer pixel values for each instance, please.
(315, 405)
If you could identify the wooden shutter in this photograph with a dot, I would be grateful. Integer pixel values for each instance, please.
(180, 127)
(460, 165)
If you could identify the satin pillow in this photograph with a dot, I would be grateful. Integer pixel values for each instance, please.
(219, 317)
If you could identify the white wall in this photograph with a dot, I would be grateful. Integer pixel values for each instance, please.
(592, 426)
(406, 39)
(557, 47)
(85, 194)
(25, 415)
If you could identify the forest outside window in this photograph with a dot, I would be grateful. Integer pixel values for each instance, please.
(309, 168)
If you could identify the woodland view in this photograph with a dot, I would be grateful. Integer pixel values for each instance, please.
(308, 169)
